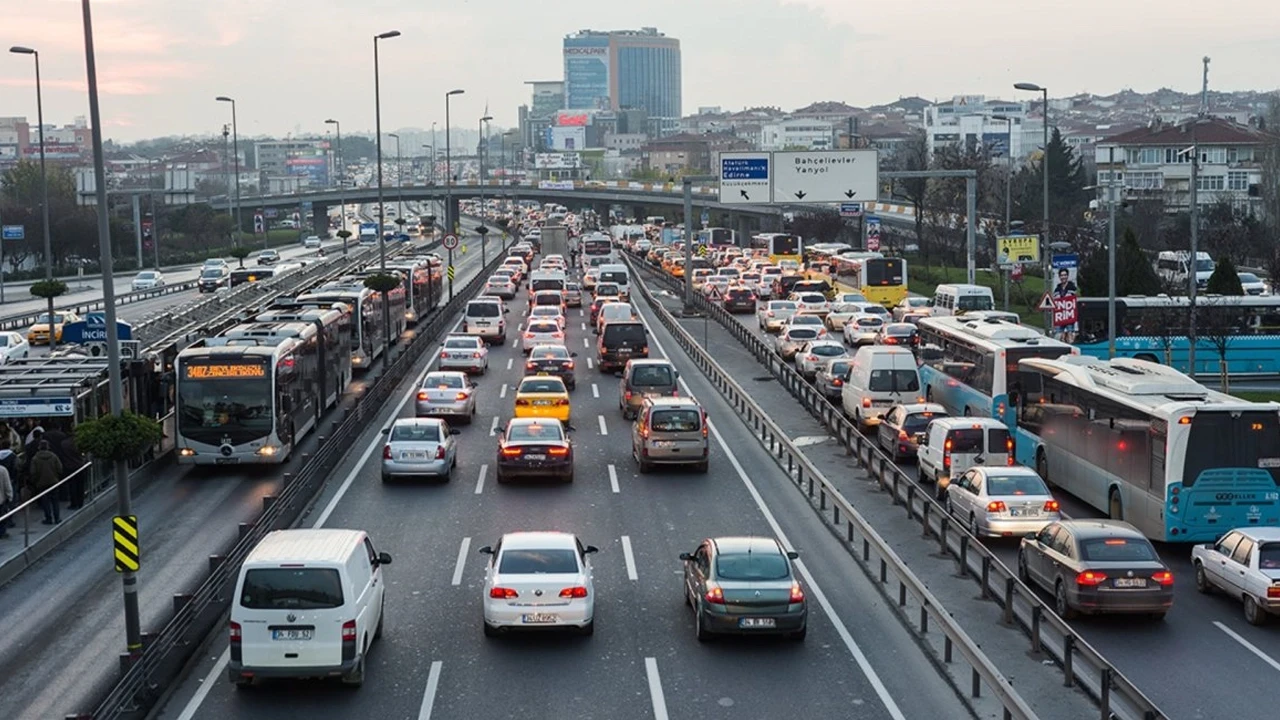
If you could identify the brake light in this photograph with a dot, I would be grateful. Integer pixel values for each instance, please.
(528, 336)
(531, 365)
(1273, 591)
(349, 631)
(812, 358)
(714, 595)
(461, 396)
(1164, 577)
(996, 506)
(422, 394)
(627, 395)
(510, 452)
(569, 365)
(386, 452)
(866, 402)
(890, 341)
(902, 435)
(1090, 578)
(574, 592)
(521, 401)
(562, 401)
(769, 313)
(440, 452)
(797, 594)
(558, 451)
(235, 632)
(475, 355)
(1051, 506)
(837, 382)
(502, 593)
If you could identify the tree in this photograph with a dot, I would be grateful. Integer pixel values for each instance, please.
(913, 154)
(240, 252)
(1224, 280)
(823, 226)
(382, 282)
(118, 438)
(344, 235)
(1219, 321)
(1068, 196)
(1134, 274)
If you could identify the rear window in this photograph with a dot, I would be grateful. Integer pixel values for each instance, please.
(894, 381)
(549, 352)
(443, 381)
(740, 293)
(624, 332)
(416, 433)
(682, 420)
(1015, 485)
(483, 310)
(544, 327)
(542, 385)
(547, 284)
(1117, 550)
(546, 298)
(613, 276)
(536, 433)
(752, 566)
(650, 375)
(607, 288)
(788, 305)
(538, 562)
(460, 343)
(917, 422)
(827, 350)
(291, 588)
(966, 441)
(802, 333)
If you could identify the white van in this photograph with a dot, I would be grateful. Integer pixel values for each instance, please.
(1175, 267)
(484, 317)
(308, 604)
(880, 377)
(616, 273)
(959, 299)
(540, 280)
(953, 445)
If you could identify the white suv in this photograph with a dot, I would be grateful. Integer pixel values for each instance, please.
(484, 317)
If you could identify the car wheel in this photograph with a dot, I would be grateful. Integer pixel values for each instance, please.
(355, 678)
(500, 476)
(1060, 605)
(1202, 580)
(703, 466)
(1253, 614)
(569, 478)
(699, 629)
(1023, 574)
(386, 478)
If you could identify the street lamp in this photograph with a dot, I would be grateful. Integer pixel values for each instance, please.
(1008, 195)
(44, 191)
(342, 187)
(431, 163)
(433, 153)
(382, 236)
(449, 220)
(1044, 170)
(399, 178)
(235, 148)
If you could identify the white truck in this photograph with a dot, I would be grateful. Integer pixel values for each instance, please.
(555, 241)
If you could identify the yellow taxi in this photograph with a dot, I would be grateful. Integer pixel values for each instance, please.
(677, 268)
(38, 334)
(542, 396)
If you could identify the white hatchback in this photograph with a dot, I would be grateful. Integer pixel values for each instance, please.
(554, 313)
(538, 580)
(541, 332)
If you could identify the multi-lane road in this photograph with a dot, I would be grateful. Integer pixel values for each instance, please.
(1200, 632)
(64, 618)
(643, 660)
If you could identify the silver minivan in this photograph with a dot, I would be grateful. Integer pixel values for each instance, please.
(670, 431)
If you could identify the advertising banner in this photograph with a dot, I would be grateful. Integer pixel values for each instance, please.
(1018, 249)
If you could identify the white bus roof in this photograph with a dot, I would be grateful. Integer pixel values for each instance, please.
(963, 289)
(991, 332)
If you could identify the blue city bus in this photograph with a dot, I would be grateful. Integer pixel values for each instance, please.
(1144, 443)
(967, 364)
(1246, 329)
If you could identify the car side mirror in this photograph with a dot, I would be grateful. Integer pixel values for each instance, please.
(455, 431)
(591, 549)
(686, 556)
(386, 431)
(384, 559)
(793, 555)
(573, 354)
(486, 550)
(1032, 537)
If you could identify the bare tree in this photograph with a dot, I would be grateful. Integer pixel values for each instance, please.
(913, 154)
(1219, 321)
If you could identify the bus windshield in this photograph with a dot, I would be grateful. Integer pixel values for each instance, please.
(969, 303)
(786, 245)
(596, 247)
(1227, 440)
(220, 402)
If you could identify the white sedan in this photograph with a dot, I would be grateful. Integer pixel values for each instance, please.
(812, 355)
(541, 332)
(538, 580)
(467, 353)
(861, 329)
(812, 303)
(13, 346)
(547, 312)
(147, 280)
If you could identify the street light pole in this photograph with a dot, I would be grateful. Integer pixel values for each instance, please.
(433, 153)
(1195, 237)
(235, 146)
(1044, 170)
(342, 186)
(124, 501)
(449, 220)
(107, 273)
(382, 236)
(1111, 254)
(1008, 196)
(399, 178)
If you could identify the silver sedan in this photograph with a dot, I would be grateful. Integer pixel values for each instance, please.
(446, 393)
(419, 447)
(774, 314)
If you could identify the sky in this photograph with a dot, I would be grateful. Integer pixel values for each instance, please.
(290, 64)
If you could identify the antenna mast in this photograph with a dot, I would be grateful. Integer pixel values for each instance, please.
(1204, 89)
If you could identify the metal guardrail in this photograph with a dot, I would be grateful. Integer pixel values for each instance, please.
(856, 533)
(1080, 662)
(198, 613)
(26, 320)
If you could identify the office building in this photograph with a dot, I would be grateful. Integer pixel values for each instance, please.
(969, 120)
(309, 159)
(625, 69)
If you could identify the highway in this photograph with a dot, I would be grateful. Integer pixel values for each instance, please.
(643, 660)
(64, 615)
(1201, 631)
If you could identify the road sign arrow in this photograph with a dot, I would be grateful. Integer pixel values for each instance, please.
(849, 193)
(800, 194)
(744, 194)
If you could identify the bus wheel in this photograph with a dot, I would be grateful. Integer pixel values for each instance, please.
(1115, 505)
(1148, 357)
(1042, 466)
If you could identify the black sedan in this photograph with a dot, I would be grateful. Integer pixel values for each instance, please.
(744, 586)
(554, 360)
(739, 299)
(534, 448)
(904, 426)
(904, 334)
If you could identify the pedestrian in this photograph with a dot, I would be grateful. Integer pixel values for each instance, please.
(9, 461)
(7, 499)
(72, 460)
(55, 435)
(30, 448)
(46, 471)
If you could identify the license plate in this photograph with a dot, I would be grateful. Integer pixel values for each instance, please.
(413, 456)
(536, 457)
(624, 351)
(539, 618)
(544, 372)
(1130, 582)
(664, 443)
(757, 623)
(227, 461)
(542, 402)
(291, 634)
(1015, 512)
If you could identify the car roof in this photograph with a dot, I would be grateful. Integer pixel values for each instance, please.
(525, 421)
(1266, 534)
(462, 336)
(959, 423)
(539, 540)
(672, 402)
(541, 378)
(444, 373)
(304, 545)
(923, 408)
(743, 544)
(1005, 470)
(641, 362)
(1101, 528)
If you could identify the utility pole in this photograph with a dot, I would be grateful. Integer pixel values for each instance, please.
(1111, 255)
(1193, 263)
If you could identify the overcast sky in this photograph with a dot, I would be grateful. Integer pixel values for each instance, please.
(292, 63)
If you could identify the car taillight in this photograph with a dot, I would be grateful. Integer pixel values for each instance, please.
(510, 451)
(558, 451)
(996, 506)
(1090, 578)
(386, 452)
(902, 436)
(866, 402)
(1273, 591)
(521, 401)
(1164, 577)
(422, 394)
(574, 592)
(502, 593)
(475, 355)
(1051, 506)
(440, 452)
(528, 336)
(714, 595)
(797, 594)
(531, 366)
(627, 395)
(770, 313)
(569, 365)
(349, 631)
(837, 382)
(235, 632)
(562, 401)
(812, 358)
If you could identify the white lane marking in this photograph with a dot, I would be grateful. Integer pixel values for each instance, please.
(604, 429)
(585, 344)
(462, 561)
(595, 391)
(854, 649)
(484, 470)
(590, 364)
(493, 428)
(613, 479)
(510, 361)
(502, 391)
(582, 312)
(584, 326)
(429, 695)
(655, 689)
(515, 341)
(1247, 645)
(628, 557)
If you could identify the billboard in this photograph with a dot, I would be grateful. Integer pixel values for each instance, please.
(313, 167)
(586, 72)
(52, 151)
(557, 161)
(566, 119)
(996, 143)
(1018, 249)
(567, 138)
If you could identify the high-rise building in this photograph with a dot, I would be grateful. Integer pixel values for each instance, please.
(621, 70)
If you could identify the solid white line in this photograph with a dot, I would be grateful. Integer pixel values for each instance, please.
(628, 557)
(613, 479)
(429, 695)
(1248, 645)
(509, 362)
(604, 429)
(515, 341)
(484, 470)
(493, 428)
(852, 645)
(595, 391)
(502, 391)
(193, 705)
(462, 561)
(655, 689)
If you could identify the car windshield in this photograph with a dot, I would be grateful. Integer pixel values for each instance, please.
(650, 375)
(549, 353)
(1248, 278)
(542, 385)
(675, 420)
(752, 566)
(1003, 485)
(146, 276)
(460, 343)
(894, 381)
(415, 432)
(443, 382)
(483, 309)
(539, 432)
(291, 588)
(538, 562)
(974, 302)
(1117, 550)
(211, 273)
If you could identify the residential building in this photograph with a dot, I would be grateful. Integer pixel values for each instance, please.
(1154, 162)
(625, 142)
(798, 134)
(691, 153)
(308, 159)
(20, 140)
(623, 69)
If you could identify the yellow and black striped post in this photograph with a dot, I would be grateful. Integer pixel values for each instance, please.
(450, 273)
(124, 533)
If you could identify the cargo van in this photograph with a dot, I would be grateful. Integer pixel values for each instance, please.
(617, 274)
(960, 299)
(308, 604)
(540, 280)
(483, 317)
(951, 446)
(880, 377)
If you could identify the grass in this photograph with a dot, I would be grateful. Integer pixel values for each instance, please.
(1258, 396)
(1023, 296)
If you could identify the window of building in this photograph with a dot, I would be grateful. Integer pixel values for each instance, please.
(1211, 182)
(1150, 156)
(1237, 180)
(1213, 155)
(1144, 180)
